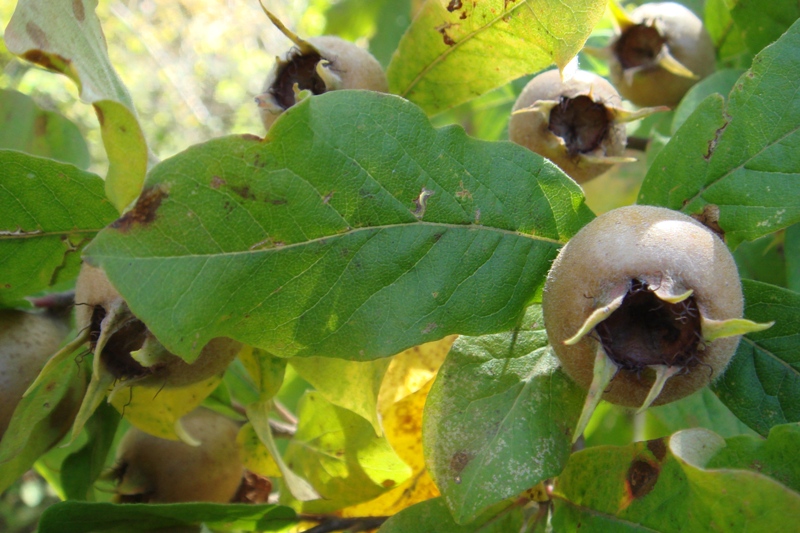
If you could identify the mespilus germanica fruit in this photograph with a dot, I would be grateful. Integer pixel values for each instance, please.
(316, 65)
(660, 50)
(643, 306)
(153, 470)
(578, 124)
(27, 340)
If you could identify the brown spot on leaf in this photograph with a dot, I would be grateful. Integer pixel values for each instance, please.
(454, 5)
(459, 461)
(642, 478)
(445, 37)
(40, 125)
(77, 10)
(712, 144)
(144, 212)
(37, 35)
(217, 182)
(50, 386)
(388, 483)
(464, 15)
(709, 217)
(101, 117)
(49, 61)
(251, 137)
(244, 192)
(658, 448)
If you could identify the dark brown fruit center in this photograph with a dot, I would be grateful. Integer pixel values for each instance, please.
(646, 331)
(302, 70)
(638, 46)
(581, 122)
(116, 353)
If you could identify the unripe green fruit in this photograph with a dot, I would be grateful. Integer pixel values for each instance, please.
(657, 293)
(577, 124)
(318, 65)
(154, 470)
(96, 299)
(656, 40)
(27, 340)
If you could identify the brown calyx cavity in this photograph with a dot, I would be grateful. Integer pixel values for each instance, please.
(300, 69)
(581, 122)
(646, 331)
(116, 354)
(639, 45)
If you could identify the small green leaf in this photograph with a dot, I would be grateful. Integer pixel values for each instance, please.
(353, 385)
(666, 485)
(765, 259)
(762, 383)
(761, 23)
(701, 409)
(338, 452)
(741, 156)
(499, 418)
(48, 212)
(265, 370)
(775, 457)
(315, 241)
(84, 517)
(433, 515)
(454, 52)
(66, 37)
(727, 38)
(26, 127)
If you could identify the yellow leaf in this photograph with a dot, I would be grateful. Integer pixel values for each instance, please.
(255, 455)
(156, 411)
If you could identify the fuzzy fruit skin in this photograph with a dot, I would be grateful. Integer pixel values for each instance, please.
(93, 288)
(688, 42)
(27, 340)
(619, 246)
(531, 129)
(356, 67)
(166, 471)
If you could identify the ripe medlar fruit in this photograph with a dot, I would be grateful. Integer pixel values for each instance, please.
(662, 49)
(643, 306)
(154, 470)
(317, 65)
(578, 124)
(27, 340)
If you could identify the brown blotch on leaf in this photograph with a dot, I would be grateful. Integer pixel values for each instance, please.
(459, 461)
(37, 35)
(40, 125)
(255, 489)
(144, 212)
(445, 37)
(251, 137)
(709, 217)
(712, 144)
(49, 61)
(78, 11)
(454, 5)
(388, 483)
(642, 478)
(244, 191)
(658, 448)
(101, 117)
(217, 182)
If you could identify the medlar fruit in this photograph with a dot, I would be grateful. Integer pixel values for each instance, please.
(27, 340)
(317, 65)
(578, 124)
(643, 306)
(661, 50)
(154, 470)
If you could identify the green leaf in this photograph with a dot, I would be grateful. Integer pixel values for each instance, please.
(791, 250)
(66, 37)
(727, 38)
(702, 409)
(499, 418)
(338, 452)
(315, 242)
(775, 457)
(433, 515)
(665, 485)
(741, 155)
(720, 82)
(353, 385)
(762, 383)
(48, 212)
(26, 127)
(763, 22)
(84, 517)
(763, 259)
(82, 468)
(454, 52)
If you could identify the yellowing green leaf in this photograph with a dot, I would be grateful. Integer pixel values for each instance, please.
(256, 456)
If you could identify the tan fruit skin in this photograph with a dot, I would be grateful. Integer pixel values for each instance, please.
(93, 288)
(621, 245)
(356, 67)
(688, 42)
(27, 340)
(173, 471)
(531, 129)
